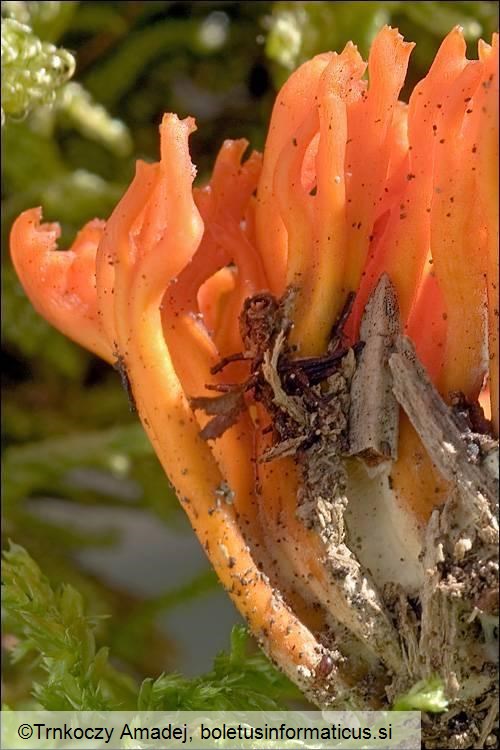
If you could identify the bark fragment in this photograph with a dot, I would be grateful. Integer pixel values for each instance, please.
(436, 426)
(374, 412)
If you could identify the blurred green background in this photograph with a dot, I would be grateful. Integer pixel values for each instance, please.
(84, 87)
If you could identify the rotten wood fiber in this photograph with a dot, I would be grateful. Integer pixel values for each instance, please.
(374, 411)
(434, 422)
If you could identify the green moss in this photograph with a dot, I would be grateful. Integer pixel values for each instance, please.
(32, 70)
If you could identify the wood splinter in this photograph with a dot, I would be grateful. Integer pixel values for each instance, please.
(374, 411)
(434, 422)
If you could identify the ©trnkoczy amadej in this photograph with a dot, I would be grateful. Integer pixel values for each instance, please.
(311, 343)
